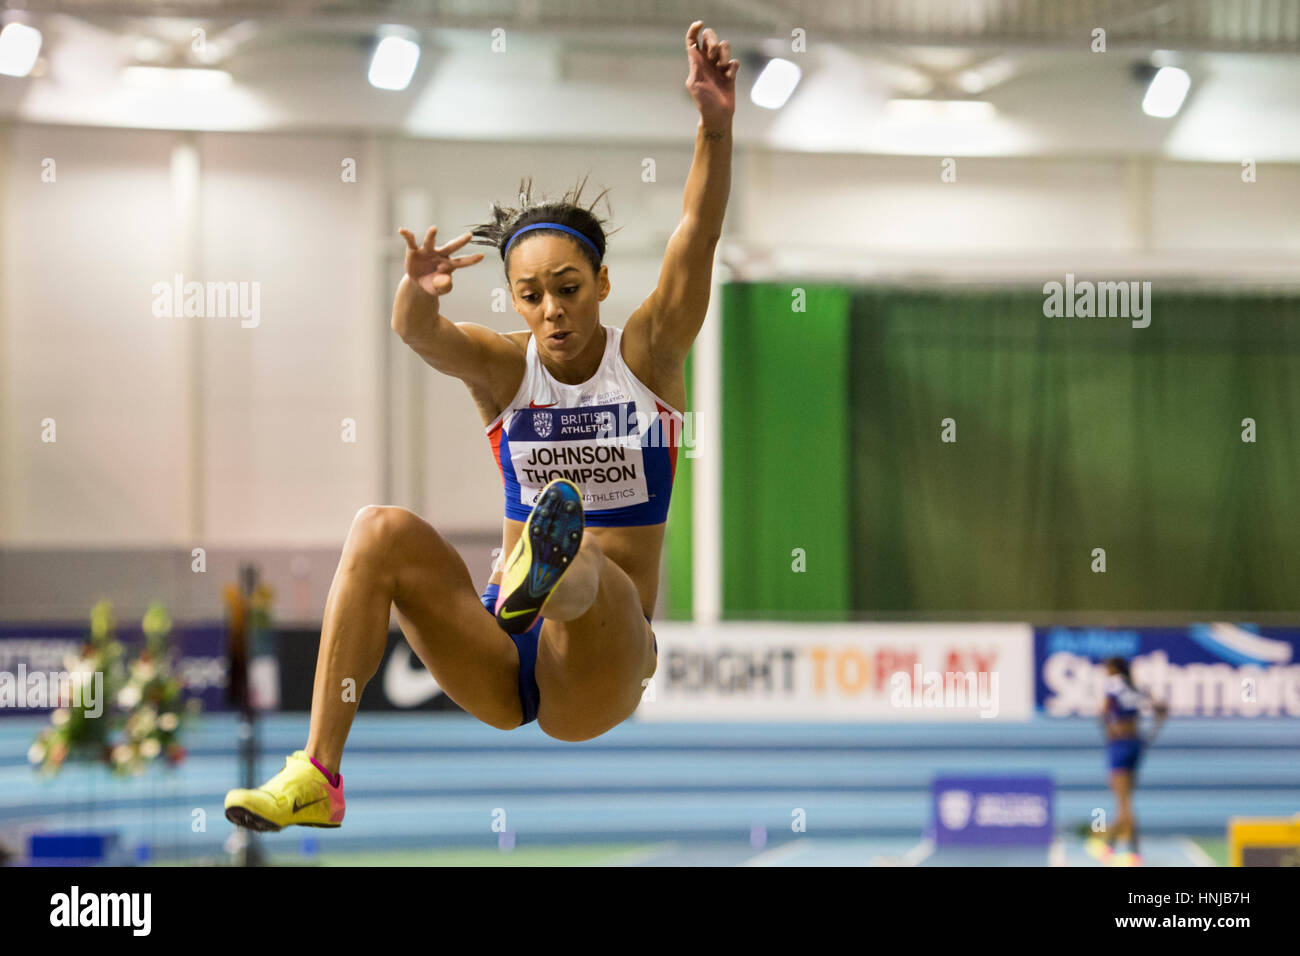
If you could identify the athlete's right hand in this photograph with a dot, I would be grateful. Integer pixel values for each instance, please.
(429, 266)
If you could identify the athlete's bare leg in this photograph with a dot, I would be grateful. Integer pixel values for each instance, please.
(1125, 826)
(393, 557)
(596, 648)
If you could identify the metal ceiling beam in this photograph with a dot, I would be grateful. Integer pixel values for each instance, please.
(1205, 25)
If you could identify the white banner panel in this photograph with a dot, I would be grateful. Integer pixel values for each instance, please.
(841, 672)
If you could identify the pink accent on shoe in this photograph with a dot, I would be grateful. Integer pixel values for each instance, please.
(334, 787)
(337, 802)
(334, 779)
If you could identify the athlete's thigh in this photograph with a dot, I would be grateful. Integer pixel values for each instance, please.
(1121, 781)
(590, 671)
(582, 704)
(457, 639)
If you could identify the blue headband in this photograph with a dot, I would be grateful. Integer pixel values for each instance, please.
(551, 225)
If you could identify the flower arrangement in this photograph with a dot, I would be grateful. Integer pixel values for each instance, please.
(153, 700)
(77, 732)
(150, 705)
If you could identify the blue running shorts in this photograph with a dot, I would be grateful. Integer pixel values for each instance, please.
(530, 696)
(1124, 754)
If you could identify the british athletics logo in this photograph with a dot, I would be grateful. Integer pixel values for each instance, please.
(983, 811)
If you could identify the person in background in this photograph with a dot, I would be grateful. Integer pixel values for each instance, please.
(1125, 746)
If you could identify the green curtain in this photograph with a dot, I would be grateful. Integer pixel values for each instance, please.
(1072, 434)
(785, 453)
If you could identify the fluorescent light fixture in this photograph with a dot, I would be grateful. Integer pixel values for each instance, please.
(166, 78)
(1166, 93)
(907, 80)
(394, 63)
(148, 50)
(992, 73)
(939, 111)
(19, 46)
(775, 84)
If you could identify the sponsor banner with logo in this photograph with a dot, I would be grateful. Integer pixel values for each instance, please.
(982, 811)
(1199, 670)
(401, 683)
(27, 650)
(763, 671)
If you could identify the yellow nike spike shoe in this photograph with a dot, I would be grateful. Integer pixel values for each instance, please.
(548, 544)
(299, 795)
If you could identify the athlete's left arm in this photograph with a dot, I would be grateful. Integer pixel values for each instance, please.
(1160, 711)
(673, 314)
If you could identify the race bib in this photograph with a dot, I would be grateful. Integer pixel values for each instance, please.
(597, 447)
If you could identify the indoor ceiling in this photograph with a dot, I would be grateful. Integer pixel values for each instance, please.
(612, 71)
(1221, 25)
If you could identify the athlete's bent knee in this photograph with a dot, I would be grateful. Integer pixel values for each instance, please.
(591, 545)
(384, 520)
(381, 527)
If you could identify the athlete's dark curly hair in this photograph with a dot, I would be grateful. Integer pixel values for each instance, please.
(567, 211)
(1121, 667)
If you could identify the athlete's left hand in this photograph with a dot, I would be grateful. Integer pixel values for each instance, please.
(711, 80)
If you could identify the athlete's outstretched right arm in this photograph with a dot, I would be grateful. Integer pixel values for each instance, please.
(461, 349)
(1161, 710)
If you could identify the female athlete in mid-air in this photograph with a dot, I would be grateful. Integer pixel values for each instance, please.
(1124, 747)
(580, 418)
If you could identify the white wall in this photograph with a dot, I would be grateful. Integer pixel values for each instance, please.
(80, 344)
(276, 469)
(177, 432)
(1017, 218)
